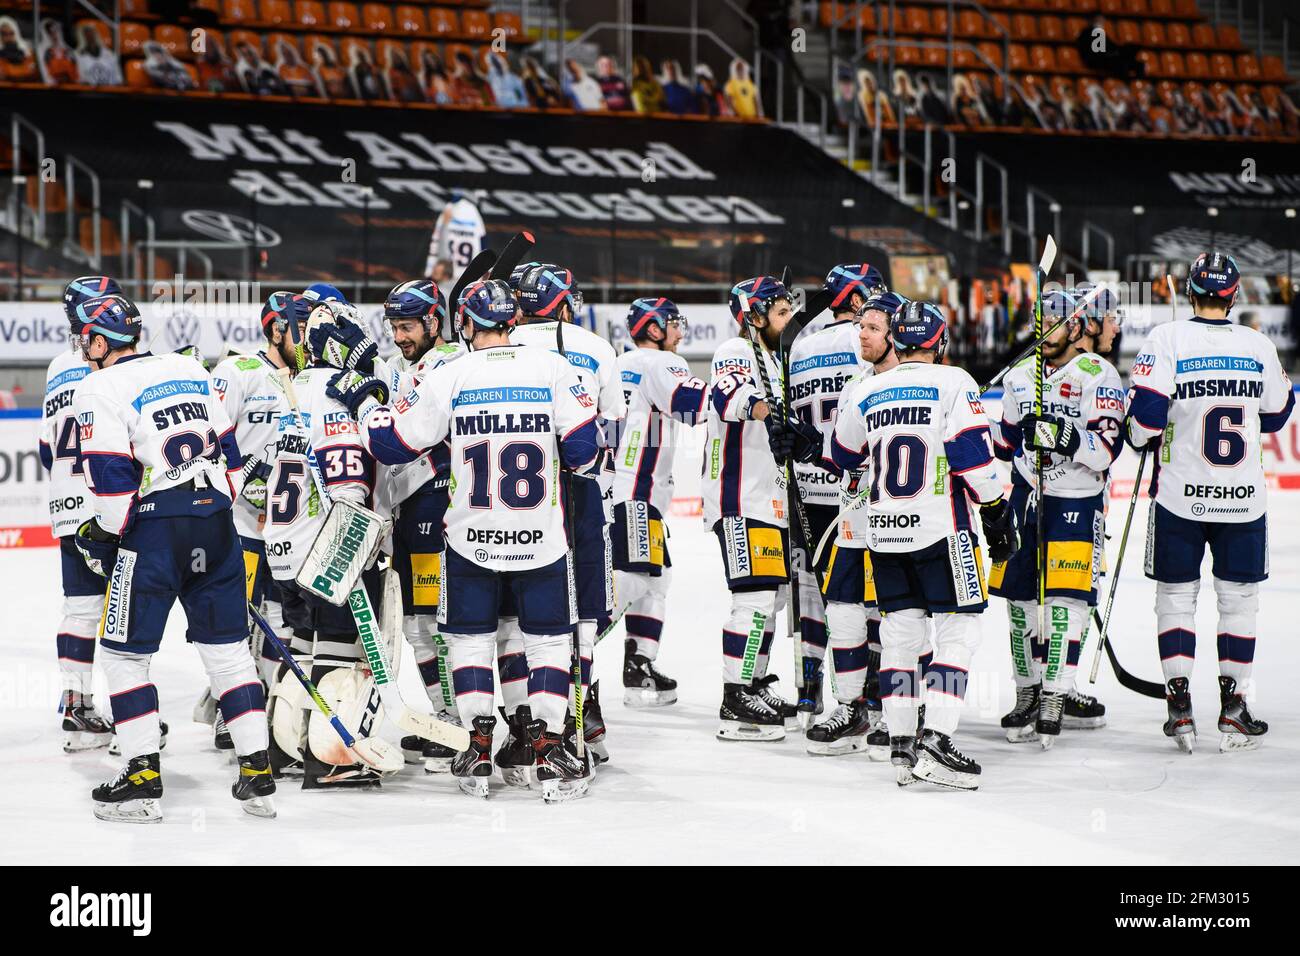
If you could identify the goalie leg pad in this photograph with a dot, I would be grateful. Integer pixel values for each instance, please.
(352, 695)
(346, 545)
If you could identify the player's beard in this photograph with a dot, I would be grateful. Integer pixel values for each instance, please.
(414, 351)
(770, 339)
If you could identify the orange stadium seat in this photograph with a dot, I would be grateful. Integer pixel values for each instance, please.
(1248, 67)
(1162, 8)
(1074, 26)
(867, 17)
(136, 77)
(1083, 6)
(442, 20)
(1068, 60)
(347, 45)
(1052, 28)
(907, 55)
(1198, 64)
(963, 58)
(134, 8)
(382, 47)
(175, 40)
(1129, 33)
(1063, 6)
(1112, 7)
(1221, 66)
(1187, 9)
(238, 10)
(377, 17)
(1024, 27)
(1177, 35)
(916, 20)
(344, 16)
(1273, 68)
(410, 20)
(510, 23)
(934, 56)
(1171, 64)
(213, 5)
(992, 52)
(419, 48)
(235, 37)
(1003, 20)
(1150, 62)
(275, 12)
(1040, 56)
(452, 51)
(828, 13)
(1153, 34)
(1202, 35)
(475, 23)
(311, 13)
(1136, 8)
(970, 24)
(1228, 36)
(1018, 58)
(272, 43)
(939, 21)
(134, 36)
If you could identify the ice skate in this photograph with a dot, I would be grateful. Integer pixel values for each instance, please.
(810, 703)
(472, 768)
(133, 795)
(878, 744)
(255, 785)
(1020, 721)
(846, 731)
(221, 734)
(942, 764)
(1082, 711)
(744, 716)
(558, 773)
(1048, 726)
(1180, 724)
(593, 725)
(902, 754)
(1240, 730)
(83, 726)
(643, 685)
(788, 711)
(515, 758)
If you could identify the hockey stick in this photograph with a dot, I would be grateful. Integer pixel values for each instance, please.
(1079, 309)
(1040, 462)
(520, 244)
(570, 534)
(364, 747)
(363, 614)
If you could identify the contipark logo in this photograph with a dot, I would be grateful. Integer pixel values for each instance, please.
(76, 909)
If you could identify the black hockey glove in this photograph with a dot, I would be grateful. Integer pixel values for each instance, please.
(255, 471)
(1050, 433)
(354, 390)
(345, 345)
(808, 441)
(1000, 530)
(98, 547)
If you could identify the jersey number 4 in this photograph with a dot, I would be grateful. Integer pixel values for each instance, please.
(521, 484)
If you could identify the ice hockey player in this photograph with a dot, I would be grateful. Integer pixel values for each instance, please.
(1203, 391)
(1078, 434)
(416, 313)
(821, 363)
(851, 613)
(457, 235)
(514, 416)
(924, 430)
(153, 438)
(549, 303)
(662, 396)
(84, 728)
(295, 514)
(253, 400)
(744, 491)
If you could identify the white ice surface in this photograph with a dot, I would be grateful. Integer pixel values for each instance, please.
(674, 793)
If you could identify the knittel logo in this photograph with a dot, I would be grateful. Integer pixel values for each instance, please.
(76, 909)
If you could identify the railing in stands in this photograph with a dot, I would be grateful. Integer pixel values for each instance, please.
(1219, 12)
(72, 245)
(18, 196)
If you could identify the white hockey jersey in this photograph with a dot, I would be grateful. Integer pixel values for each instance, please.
(663, 398)
(294, 510)
(60, 446)
(1086, 391)
(740, 475)
(457, 236)
(248, 389)
(505, 410)
(1208, 388)
(148, 423)
(821, 364)
(924, 434)
(854, 527)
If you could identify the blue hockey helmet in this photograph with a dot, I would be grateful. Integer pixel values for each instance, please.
(488, 304)
(543, 289)
(1095, 310)
(281, 308)
(518, 272)
(651, 311)
(417, 299)
(323, 292)
(844, 280)
(886, 302)
(755, 295)
(115, 317)
(1214, 276)
(1059, 304)
(919, 326)
(83, 288)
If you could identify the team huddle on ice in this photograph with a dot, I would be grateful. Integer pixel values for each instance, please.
(500, 502)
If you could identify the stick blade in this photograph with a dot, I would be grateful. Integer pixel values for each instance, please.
(520, 244)
(1049, 256)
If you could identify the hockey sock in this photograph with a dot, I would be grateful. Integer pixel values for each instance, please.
(742, 634)
(813, 617)
(471, 674)
(765, 648)
(1023, 619)
(512, 665)
(1066, 619)
(134, 702)
(548, 677)
(848, 642)
(956, 637)
(1176, 625)
(238, 692)
(645, 614)
(420, 631)
(873, 629)
(902, 635)
(1238, 609)
(76, 641)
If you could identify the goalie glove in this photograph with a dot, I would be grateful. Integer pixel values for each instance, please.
(1000, 531)
(357, 391)
(1050, 433)
(98, 547)
(343, 344)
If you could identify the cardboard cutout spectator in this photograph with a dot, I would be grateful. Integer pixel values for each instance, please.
(255, 74)
(507, 88)
(363, 78)
(679, 99)
(741, 91)
(468, 88)
(541, 89)
(17, 64)
(96, 63)
(331, 78)
(612, 85)
(930, 101)
(164, 70)
(871, 99)
(216, 72)
(433, 78)
(399, 79)
(647, 94)
(58, 65)
(293, 72)
(582, 91)
(711, 100)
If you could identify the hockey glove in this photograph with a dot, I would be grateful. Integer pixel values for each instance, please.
(808, 441)
(192, 351)
(1050, 433)
(255, 472)
(98, 547)
(1000, 530)
(780, 438)
(345, 345)
(356, 390)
